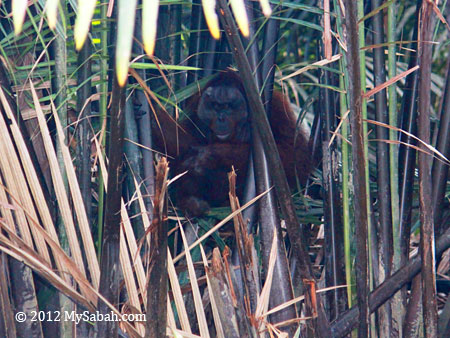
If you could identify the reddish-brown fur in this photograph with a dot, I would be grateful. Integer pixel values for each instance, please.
(208, 160)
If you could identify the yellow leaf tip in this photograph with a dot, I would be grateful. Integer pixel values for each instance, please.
(79, 44)
(265, 6)
(149, 50)
(17, 30)
(244, 30)
(213, 26)
(215, 33)
(267, 12)
(122, 75)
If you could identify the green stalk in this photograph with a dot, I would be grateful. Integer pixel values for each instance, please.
(362, 56)
(393, 118)
(397, 304)
(345, 154)
(103, 109)
(349, 228)
(366, 152)
(59, 87)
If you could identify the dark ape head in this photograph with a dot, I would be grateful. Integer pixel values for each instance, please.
(223, 108)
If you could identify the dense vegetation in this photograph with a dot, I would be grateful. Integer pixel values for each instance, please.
(87, 219)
